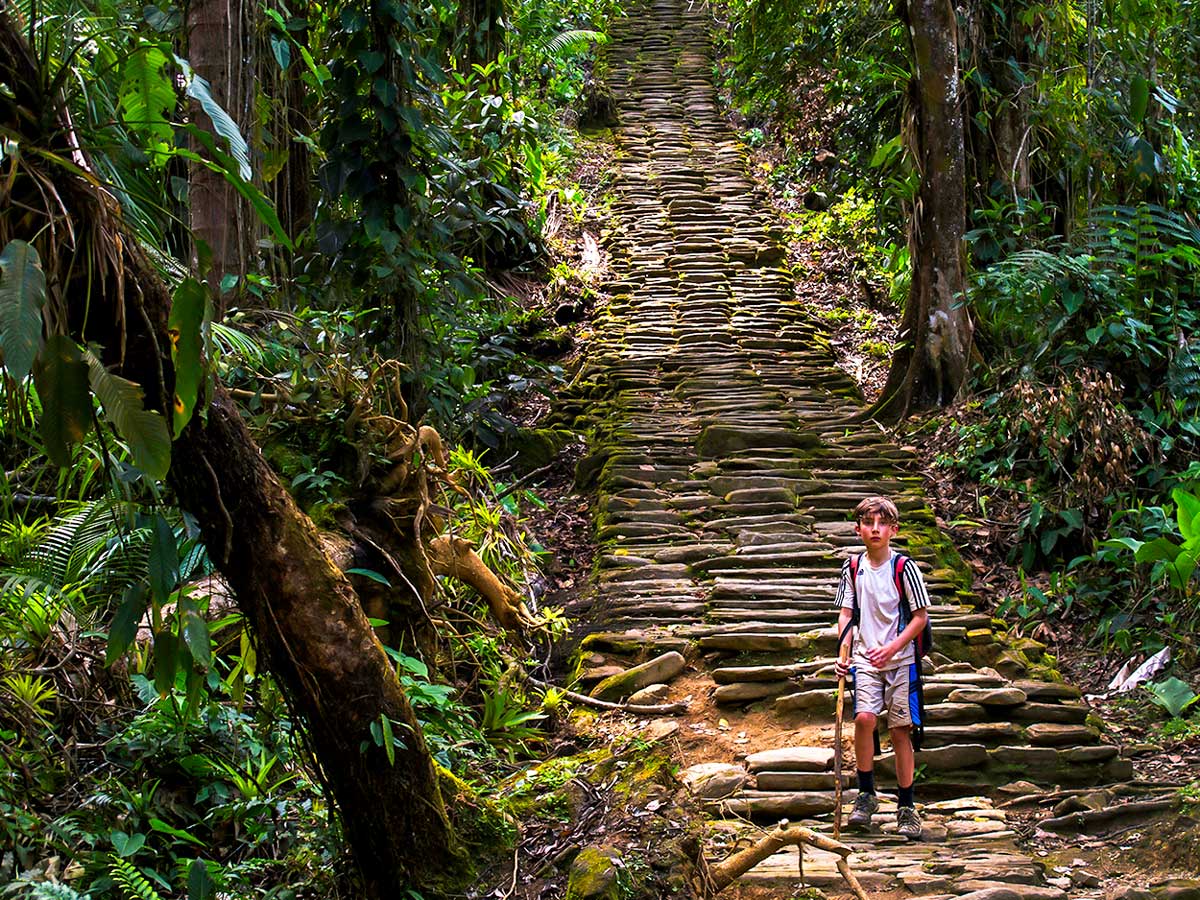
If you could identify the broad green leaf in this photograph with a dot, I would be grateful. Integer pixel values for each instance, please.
(1182, 569)
(353, 20)
(147, 94)
(164, 561)
(144, 430)
(22, 295)
(1144, 161)
(1187, 508)
(196, 636)
(199, 90)
(166, 660)
(1157, 549)
(1139, 98)
(282, 51)
(371, 61)
(1073, 301)
(187, 346)
(200, 883)
(1174, 695)
(163, 828)
(1127, 542)
(61, 377)
(125, 623)
(127, 844)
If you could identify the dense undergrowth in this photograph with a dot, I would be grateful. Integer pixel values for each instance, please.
(144, 751)
(1074, 445)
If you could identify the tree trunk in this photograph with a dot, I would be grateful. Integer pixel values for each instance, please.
(218, 217)
(930, 365)
(999, 154)
(304, 614)
(481, 30)
(320, 645)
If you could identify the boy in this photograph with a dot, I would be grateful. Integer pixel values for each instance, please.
(883, 656)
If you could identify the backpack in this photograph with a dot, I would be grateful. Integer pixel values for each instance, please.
(922, 643)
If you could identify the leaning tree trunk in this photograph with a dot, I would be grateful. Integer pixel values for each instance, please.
(930, 365)
(304, 614)
(218, 217)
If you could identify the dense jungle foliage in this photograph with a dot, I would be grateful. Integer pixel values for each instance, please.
(1080, 423)
(365, 230)
(392, 186)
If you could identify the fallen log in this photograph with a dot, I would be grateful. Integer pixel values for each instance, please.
(737, 864)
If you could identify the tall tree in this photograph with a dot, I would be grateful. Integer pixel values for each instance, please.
(930, 365)
(998, 146)
(217, 51)
(304, 613)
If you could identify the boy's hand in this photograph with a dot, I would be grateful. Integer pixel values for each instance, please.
(879, 656)
(842, 668)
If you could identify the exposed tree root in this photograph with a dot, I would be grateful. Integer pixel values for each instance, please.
(456, 558)
(733, 867)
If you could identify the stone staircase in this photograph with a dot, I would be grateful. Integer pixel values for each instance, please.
(726, 465)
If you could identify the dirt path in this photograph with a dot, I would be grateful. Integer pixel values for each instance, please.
(726, 465)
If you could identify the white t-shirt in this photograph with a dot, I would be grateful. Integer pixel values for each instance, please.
(879, 607)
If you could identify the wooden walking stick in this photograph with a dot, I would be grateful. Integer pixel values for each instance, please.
(843, 655)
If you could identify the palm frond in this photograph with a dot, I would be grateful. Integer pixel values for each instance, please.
(243, 347)
(572, 40)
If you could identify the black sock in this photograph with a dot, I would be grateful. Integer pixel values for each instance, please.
(866, 782)
(905, 795)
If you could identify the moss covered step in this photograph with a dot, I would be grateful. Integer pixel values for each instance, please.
(794, 561)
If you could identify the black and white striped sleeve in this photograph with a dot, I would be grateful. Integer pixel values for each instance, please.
(914, 586)
(845, 591)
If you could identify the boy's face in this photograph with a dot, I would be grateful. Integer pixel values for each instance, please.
(875, 531)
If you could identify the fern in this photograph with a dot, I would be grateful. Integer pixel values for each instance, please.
(133, 884)
(65, 553)
(235, 343)
(1183, 378)
(70, 833)
(571, 41)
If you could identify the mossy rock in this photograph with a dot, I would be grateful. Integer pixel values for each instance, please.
(536, 447)
(947, 562)
(481, 823)
(588, 469)
(1033, 650)
(548, 790)
(595, 874)
(660, 669)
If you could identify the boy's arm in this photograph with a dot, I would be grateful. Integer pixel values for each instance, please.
(845, 595)
(844, 617)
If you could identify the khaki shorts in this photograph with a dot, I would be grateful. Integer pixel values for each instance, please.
(892, 689)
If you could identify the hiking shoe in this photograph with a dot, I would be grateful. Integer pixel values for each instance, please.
(864, 807)
(908, 823)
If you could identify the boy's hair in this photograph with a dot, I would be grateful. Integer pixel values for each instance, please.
(877, 506)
